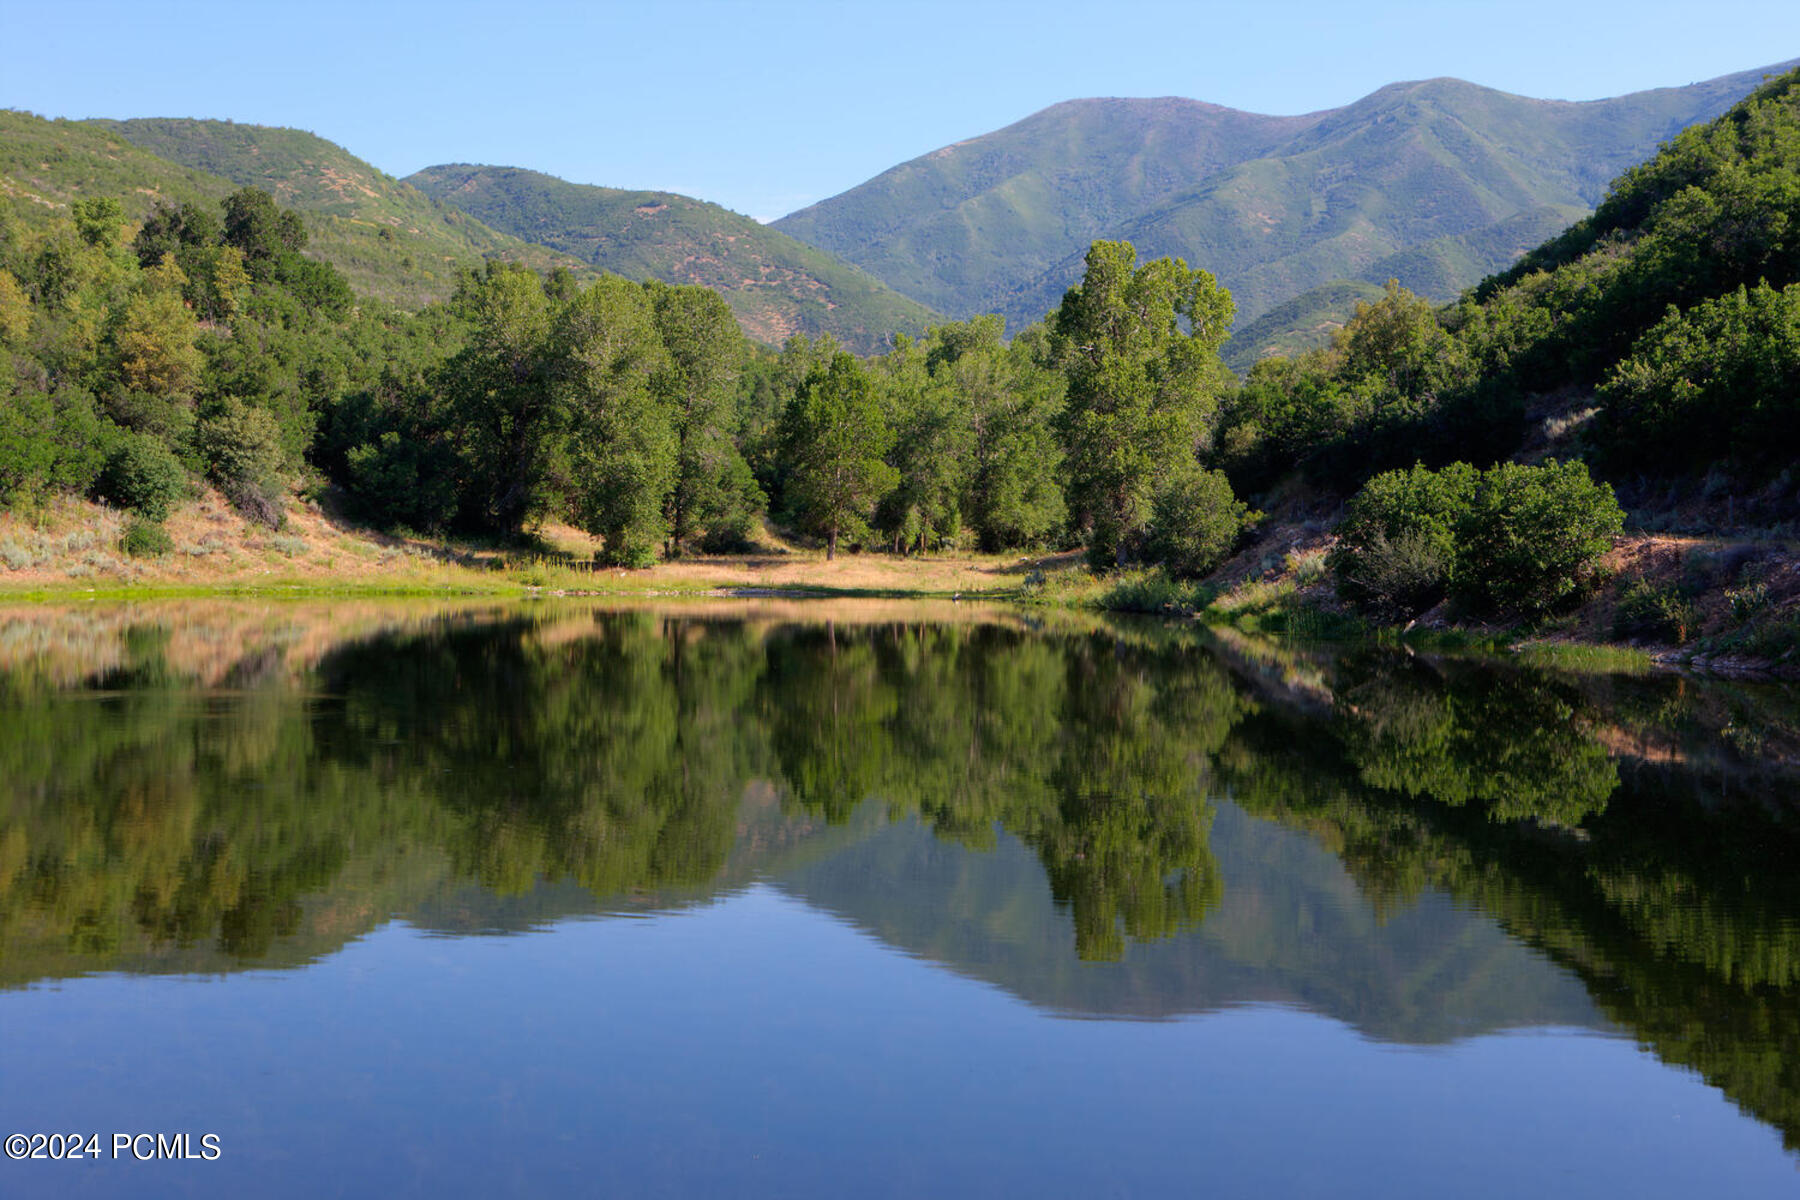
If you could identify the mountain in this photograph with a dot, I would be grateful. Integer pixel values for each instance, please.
(1306, 322)
(1434, 268)
(44, 164)
(777, 286)
(388, 238)
(1438, 183)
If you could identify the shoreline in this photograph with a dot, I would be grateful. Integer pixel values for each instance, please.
(66, 553)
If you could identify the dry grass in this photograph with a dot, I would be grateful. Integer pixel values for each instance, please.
(71, 546)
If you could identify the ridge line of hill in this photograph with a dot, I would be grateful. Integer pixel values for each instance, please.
(1276, 206)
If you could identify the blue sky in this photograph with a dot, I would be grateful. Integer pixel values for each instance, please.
(765, 107)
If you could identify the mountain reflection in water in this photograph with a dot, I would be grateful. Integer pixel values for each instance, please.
(1101, 819)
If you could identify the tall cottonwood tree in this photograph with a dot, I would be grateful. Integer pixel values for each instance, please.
(1014, 493)
(622, 441)
(835, 436)
(704, 352)
(510, 423)
(1140, 349)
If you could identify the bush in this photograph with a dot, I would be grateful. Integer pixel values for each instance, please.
(1747, 602)
(241, 447)
(26, 452)
(1532, 536)
(143, 475)
(145, 539)
(1398, 577)
(1153, 591)
(1714, 383)
(1397, 543)
(402, 481)
(1514, 538)
(736, 535)
(1195, 521)
(1646, 610)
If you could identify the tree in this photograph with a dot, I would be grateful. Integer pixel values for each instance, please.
(930, 450)
(15, 311)
(1719, 382)
(509, 424)
(155, 344)
(261, 230)
(1140, 387)
(99, 221)
(241, 447)
(1014, 494)
(175, 230)
(835, 440)
(622, 442)
(1395, 343)
(1533, 536)
(703, 352)
(1195, 521)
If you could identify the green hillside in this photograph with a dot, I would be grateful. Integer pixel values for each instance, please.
(1439, 182)
(1658, 340)
(45, 164)
(1295, 326)
(776, 286)
(390, 240)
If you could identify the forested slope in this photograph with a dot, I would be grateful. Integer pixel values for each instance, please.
(389, 239)
(776, 286)
(1465, 176)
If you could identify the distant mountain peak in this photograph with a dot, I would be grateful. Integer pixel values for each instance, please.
(1431, 177)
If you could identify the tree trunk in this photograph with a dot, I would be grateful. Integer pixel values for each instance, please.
(831, 544)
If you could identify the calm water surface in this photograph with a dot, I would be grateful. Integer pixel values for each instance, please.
(770, 899)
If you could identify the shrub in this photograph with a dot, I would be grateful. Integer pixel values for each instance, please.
(143, 475)
(241, 447)
(730, 535)
(1396, 577)
(401, 481)
(1397, 543)
(1306, 566)
(1712, 383)
(1513, 538)
(1646, 610)
(1195, 521)
(1532, 536)
(1746, 602)
(145, 539)
(1153, 591)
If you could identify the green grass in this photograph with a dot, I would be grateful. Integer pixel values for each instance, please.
(1583, 658)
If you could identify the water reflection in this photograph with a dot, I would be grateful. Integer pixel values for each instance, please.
(198, 789)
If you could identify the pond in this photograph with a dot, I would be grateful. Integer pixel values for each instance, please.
(806, 899)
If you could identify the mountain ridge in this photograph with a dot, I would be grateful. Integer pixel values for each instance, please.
(1274, 205)
(776, 285)
(390, 240)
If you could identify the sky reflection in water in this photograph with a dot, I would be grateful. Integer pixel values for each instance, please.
(881, 862)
